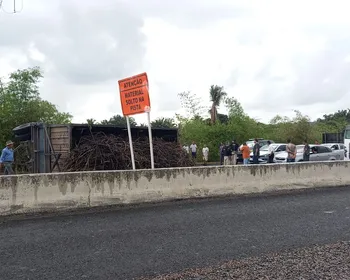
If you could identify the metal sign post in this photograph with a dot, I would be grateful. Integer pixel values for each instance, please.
(134, 99)
(130, 143)
(148, 112)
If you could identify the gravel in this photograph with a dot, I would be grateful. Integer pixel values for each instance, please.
(317, 262)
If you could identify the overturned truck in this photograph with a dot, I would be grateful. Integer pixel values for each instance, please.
(44, 148)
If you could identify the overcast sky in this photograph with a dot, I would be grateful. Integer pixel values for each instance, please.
(274, 56)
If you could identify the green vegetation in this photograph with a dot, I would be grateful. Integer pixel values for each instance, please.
(119, 120)
(240, 127)
(20, 103)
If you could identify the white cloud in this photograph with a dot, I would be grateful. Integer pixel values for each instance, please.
(274, 56)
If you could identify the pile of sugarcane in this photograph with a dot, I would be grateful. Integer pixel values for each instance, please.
(108, 152)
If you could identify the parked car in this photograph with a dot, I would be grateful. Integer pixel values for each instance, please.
(264, 151)
(317, 153)
(337, 148)
(250, 144)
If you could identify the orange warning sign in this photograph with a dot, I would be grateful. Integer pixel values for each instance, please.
(134, 95)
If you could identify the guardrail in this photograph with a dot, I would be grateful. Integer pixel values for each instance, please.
(62, 191)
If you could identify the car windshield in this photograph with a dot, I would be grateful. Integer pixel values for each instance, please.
(328, 145)
(250, 144)
(347, 134)
(266, 147)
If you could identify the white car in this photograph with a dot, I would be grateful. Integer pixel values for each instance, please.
(317, 153)
(264, 151)
(250, 144)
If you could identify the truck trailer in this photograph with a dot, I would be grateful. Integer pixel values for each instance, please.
(44, 147)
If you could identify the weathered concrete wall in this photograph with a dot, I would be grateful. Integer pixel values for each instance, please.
(51, 192)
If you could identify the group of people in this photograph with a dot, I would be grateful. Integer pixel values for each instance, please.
(193, 149)
(291, 150)
(229, 151)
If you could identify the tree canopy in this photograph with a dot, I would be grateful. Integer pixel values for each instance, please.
(119, 120)
(20, 103)
(163, 123)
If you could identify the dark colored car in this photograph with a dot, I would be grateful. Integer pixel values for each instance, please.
(250, 144)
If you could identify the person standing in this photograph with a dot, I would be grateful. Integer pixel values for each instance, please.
(245, 153)
(306, 154)
(291, 150)
(222, 153)
(271, 152)
(186, 148)
(193, 148)
(256, 151)
(234, 149)
(7, 158)
(205, 152)
(228, 154)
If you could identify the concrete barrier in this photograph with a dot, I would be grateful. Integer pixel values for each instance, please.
(61, 191)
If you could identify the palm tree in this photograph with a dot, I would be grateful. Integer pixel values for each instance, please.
(90, 121)
(217, 95)
(163, 123)
(119, 120)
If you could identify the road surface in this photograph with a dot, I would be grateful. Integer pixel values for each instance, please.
(128, 243)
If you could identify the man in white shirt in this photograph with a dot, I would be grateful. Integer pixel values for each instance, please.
(205, 152)
(193, 148)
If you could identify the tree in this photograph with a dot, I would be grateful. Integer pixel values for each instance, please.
(90, 122)
(337, 121)
(297, 129)
(49, 114)
(234, 108)
(222, 118)
(163, 123)
(119, 120)
(340, 114)
(20, 103)
(191, 103)
(217, 95)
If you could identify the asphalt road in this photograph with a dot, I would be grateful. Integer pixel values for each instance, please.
(128, 243)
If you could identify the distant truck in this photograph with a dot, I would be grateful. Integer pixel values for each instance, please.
(341, 137)
(347, 139)
(328, 138)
